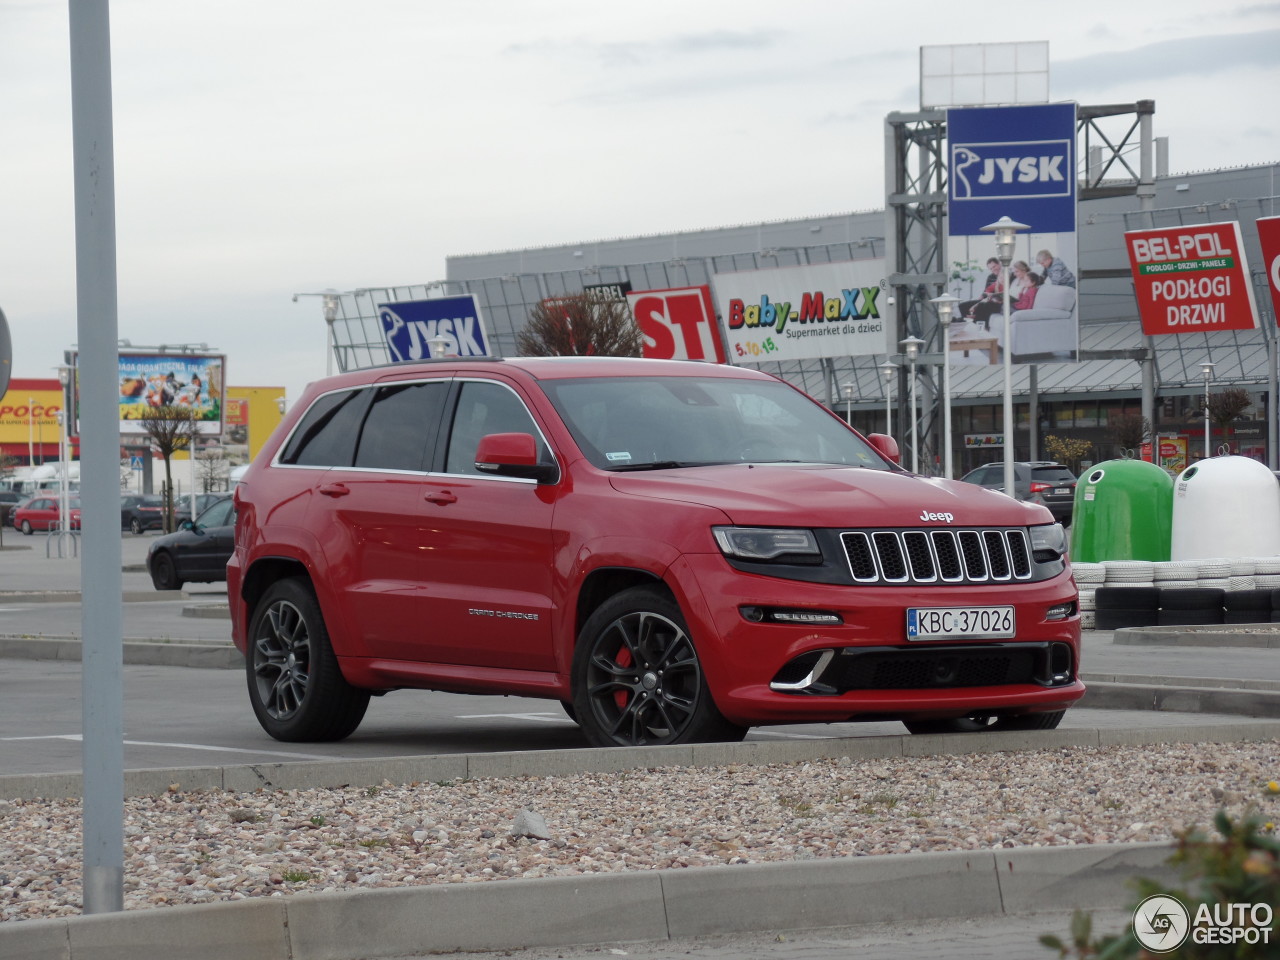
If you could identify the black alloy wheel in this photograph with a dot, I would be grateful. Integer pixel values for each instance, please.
(164, 573)
(637, 676)
(296, 687)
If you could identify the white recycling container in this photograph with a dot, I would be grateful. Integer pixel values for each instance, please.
(1225, 507)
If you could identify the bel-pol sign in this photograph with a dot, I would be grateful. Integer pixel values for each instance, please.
(1191, 279)
(411, 325)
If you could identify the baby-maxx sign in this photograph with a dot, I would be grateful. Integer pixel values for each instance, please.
(795, 313)
(1191, 279)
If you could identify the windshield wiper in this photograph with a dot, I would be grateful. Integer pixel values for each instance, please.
(662, 465)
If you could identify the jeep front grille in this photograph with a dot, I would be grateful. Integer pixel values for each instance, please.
(992, 555)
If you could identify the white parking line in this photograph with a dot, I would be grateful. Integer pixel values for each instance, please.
(75, 737)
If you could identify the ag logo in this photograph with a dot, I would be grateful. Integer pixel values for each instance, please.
(1161, 923)
(1027, 169)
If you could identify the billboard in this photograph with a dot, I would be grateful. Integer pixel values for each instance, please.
(1017, 162)
(678, 324)
(1269, 235)
(804, 312)
(1191, 279)
(152, 380)
(29, 416)
(410, 325)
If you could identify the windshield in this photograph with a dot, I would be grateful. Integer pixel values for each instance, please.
(635, 423)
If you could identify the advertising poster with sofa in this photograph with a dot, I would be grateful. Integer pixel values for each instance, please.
(1043, 300)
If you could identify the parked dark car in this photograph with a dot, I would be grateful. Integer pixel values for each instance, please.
(198, 552)
(182, 505)
(139, 512)
(41, 513)
(8, 503)
(1036, 481)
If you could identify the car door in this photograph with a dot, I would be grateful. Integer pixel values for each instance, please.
(368, 514)
(487, 550)
(204, 551)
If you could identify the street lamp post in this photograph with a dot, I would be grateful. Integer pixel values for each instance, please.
(1006, 231)
(331, 305)
(888, 370)
(946, 304)
(847, 390)
(911, 347)
(1206, 369)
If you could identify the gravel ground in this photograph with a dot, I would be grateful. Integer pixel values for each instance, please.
(201, 847)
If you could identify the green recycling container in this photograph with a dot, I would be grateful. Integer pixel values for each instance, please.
(1123, 511)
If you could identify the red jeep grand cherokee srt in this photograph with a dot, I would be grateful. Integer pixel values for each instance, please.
(675, 551)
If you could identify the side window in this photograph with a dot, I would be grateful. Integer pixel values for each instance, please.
(326, 437)
(219, 515)
(485, 408)
(401, 425)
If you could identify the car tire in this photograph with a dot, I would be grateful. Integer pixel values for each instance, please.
(26, 528)
(1025, 721)
(637, 678)
(164, 572)
(135, 525)
(296, 687)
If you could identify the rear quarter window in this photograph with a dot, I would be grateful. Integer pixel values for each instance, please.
(326, 436)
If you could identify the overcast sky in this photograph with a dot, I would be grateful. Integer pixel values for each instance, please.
(269, 147)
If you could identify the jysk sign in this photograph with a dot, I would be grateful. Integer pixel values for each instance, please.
(1017, 162)
(411, 325)
(1191, 279)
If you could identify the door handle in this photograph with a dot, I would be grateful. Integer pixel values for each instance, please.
(441, 497)
(334, 489)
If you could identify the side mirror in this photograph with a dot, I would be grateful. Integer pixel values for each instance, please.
(186, 525)
(514, 455)
(887, 446)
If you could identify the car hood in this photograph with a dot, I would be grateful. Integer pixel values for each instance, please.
(824, 495)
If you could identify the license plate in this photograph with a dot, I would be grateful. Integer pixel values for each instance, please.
(939, 623)
(1061, 491)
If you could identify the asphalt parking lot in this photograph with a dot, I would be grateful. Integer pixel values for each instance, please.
(184, 721)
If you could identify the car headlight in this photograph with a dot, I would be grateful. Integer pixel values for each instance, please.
(775, 544)
(1048, 542)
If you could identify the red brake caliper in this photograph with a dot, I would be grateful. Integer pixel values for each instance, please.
(623, 659)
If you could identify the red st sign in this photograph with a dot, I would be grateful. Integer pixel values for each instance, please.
(678, 324)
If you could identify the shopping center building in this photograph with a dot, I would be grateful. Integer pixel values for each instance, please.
(1080, 400)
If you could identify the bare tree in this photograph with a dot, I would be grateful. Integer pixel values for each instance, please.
(169, 429)
(1228, 406)
(579, 325)
(1130, 431)
(211, 464)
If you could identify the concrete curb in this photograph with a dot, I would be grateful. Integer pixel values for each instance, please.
(632, 906)
(73, 596)
(1207, 635)
(175, 653)
(208, 611)
(373, 771)
(1186, 696)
